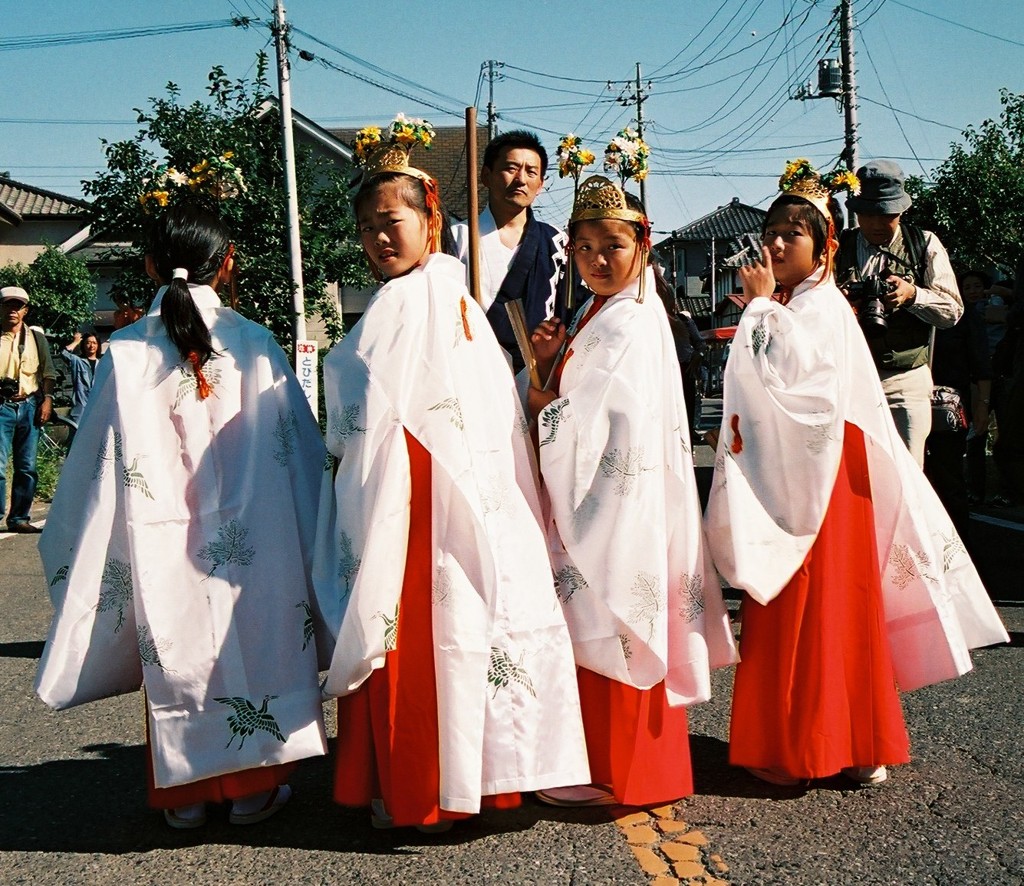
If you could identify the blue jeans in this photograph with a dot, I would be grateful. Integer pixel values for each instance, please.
(20, 436)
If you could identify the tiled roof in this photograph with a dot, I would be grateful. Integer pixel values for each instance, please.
(727, 221)
(445, 161)
(30, 202)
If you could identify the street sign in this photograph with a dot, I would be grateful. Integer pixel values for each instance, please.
(306, 371)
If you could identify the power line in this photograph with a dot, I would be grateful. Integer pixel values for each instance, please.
(958, 24)
(908, 113)
(43, 41)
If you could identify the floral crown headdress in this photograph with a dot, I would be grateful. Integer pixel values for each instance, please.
(598, 197)
(214, 177)
(801, 179)
(387, 150)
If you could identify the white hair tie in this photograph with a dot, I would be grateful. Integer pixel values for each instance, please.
(179, 274)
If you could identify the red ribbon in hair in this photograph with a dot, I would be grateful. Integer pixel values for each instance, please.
(203, 388)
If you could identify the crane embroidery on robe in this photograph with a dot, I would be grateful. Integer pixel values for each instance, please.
(908, 565)
(952, 547)
(691, 593)
(116, 590)
(503, 671)
(345, 422)
(59, 576)
(189, 381)
(307, 624)
(569, 580)
(626, 468)
(131, 476)
(246, 719)
(627, 652)
(285, 431)
(229, 547)
(550, 418)
(495, 498)
(451, 404)
(646, 601)
(348, 562)
(390, 630)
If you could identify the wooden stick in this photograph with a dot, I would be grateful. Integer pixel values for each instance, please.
(472, 177)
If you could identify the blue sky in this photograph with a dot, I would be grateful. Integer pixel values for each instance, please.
(717, 114)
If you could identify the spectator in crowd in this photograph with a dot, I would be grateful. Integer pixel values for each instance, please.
(27, 377)
(83, 371)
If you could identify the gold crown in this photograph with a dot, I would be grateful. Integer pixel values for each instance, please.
(802, 180)
(814, 192)
(393, 157)
(599, 197)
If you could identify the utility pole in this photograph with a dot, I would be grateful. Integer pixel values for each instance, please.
(849, 83)
(288, 159)
(639, 97)
(492, 116)
(838, 80)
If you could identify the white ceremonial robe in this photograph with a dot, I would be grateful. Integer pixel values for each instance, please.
(632, 570)
(797, 373)
(178, 550)
(508, 708)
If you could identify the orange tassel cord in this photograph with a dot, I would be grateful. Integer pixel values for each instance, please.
(203, 388)
(465, 320)
(737, 439)
(434, 215)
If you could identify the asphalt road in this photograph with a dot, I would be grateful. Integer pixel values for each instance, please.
(72, 799)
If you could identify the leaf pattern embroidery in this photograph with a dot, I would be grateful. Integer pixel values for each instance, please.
(503, 671)
(390, 630)
(150, 649)
(495, 498)
(246, 720)
(441, 588)
(691, 590)
(550, 418)
(908, 565)
(627, 653)
(451, 404)
(189, 383)
(760, 337)
(285, 431)
(348, 562)
(569, 580)
(817, 442)
(104, 456)
(229, 547)
(345, 422)
(59, 576)
(307, 624)
(626, 468)
(646, 601)
(116, 589)
(592, 342)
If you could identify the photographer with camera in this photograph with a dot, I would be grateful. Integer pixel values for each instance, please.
(900, 281)
(27, 377)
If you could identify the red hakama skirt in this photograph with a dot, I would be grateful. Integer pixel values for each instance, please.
(814, 690)
(636, 743)
(217, 789)
(388, 745)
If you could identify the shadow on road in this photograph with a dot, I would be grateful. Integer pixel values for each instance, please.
(98, 805)
(29, 649)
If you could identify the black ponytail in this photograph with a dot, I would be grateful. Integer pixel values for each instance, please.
(198, 242)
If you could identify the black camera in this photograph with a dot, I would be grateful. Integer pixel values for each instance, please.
(9, 388)
(870, 293)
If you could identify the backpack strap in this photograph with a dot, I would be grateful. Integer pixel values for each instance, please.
(917, 251)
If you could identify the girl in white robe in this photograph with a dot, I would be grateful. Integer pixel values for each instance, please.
(453, 661)
(636, 583)
(856, 582)
(178, 549)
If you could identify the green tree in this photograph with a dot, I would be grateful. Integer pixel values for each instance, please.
(61, 289)
(976, 202)
(225, 153)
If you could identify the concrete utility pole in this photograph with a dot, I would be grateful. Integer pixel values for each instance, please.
(639, 97)
(838, 80)
(288, 158)
(849, 84)
(492, 116)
